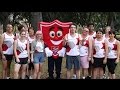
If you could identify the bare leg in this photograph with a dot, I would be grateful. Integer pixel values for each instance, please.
(95, 73)
(113, 76)
(40, 71)
(74, 72)
(36, 70)
(85, 72)
(8, 68)
(4, 65)
(101, 73)
(16, 71)
(78, 73)
(68, 74)
(24, 67)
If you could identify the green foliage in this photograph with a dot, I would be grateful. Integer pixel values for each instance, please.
(100, 19)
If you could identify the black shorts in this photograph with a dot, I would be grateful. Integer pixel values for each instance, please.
(30, 66)
(98, 62)
(8, 57)
(22, 60)
(111, 65)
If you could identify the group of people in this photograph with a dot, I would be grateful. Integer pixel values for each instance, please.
(27, 55)
(92, 51)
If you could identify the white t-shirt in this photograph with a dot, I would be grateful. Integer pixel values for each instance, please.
(22, 49)
(93, 36)
(39, 47)
(112, 49)
(84, 47)
(99, 51)
(74, 50)
(7, 46)
(30, 39)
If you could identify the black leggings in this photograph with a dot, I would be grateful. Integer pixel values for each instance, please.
(111, 65)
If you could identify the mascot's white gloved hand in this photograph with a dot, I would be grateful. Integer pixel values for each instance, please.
(62, 52)
(48, 52)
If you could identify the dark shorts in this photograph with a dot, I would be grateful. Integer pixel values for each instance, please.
(72, 60)
(22, 60)
(98, 62)
(111, 65)
(8, 57)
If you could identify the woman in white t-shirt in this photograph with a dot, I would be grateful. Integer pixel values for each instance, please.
(100, 51)
(21, 28)
(113, 54)
(22, 57)
(31, 38)
(106, 36)
(6, 49)
(37, 57)
(85, 51)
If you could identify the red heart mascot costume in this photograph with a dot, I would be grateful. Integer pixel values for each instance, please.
(53, 33)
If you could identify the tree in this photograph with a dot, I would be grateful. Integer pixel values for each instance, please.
(35, 18)
(4, 19)
(100, 19)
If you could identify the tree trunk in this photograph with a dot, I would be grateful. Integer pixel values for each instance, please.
(6, 20)
(111, 19)
(35, 18)
(1, 28)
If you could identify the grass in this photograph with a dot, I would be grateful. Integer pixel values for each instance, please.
(63, 72)
(45, 69)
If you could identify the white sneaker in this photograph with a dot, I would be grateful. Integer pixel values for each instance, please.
(7, 77)
(30, 77)
(108, 77)
(104, 76)
(83, 77)
(74, 77)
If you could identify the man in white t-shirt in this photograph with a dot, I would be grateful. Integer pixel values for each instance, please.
(71, 41)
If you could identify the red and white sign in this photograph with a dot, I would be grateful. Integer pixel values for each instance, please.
(53, 33)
